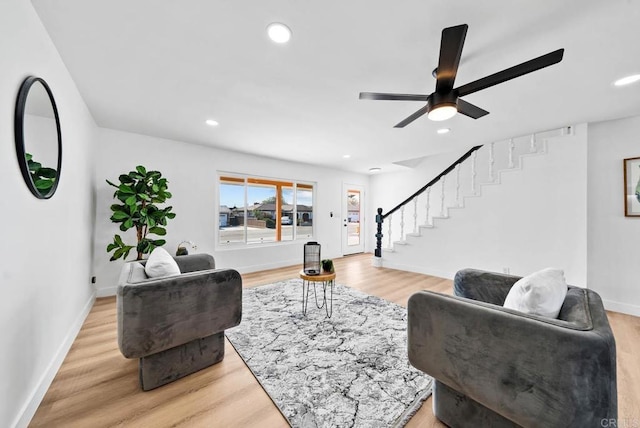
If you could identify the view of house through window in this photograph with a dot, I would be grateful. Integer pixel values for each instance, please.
(256, 210)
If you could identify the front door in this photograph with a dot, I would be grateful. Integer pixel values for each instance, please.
(352, 219)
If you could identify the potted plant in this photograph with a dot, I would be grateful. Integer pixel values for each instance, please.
(327, 266)
(139, 194)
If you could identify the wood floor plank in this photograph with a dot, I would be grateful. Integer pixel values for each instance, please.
(97, 387)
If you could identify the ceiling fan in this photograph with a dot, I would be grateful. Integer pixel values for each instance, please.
(445, 102)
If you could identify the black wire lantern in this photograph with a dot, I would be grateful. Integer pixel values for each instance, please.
(312, 258)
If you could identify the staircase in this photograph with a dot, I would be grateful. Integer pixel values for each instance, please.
(424, 219)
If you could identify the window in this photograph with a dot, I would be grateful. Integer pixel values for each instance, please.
(259, 210)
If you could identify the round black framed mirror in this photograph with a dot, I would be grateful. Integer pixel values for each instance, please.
(38, 137)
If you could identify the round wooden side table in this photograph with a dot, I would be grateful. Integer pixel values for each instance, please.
(328, 281)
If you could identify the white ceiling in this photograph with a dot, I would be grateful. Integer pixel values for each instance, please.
(162, 67)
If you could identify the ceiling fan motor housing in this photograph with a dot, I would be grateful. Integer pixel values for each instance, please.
(437, 100)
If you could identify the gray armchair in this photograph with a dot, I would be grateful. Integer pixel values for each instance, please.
(496, 367)
(175, 325)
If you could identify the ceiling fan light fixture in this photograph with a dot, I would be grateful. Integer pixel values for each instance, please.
(279, 32)
(442, 112)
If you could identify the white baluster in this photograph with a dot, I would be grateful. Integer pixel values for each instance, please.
(415, 215)
(458, 185)
(511, 147)
(442, 196)
(402, 223)
(473, 172)
(533, 147)
(491, 162)
(389, 245)
(427, 206)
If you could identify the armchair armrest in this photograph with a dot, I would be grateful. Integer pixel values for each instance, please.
(195, 262)
(158, 314)
(533, 370)
(490, 287)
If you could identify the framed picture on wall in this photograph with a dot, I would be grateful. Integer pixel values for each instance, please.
(632, 187)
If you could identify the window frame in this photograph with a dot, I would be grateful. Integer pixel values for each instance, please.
(280, 184)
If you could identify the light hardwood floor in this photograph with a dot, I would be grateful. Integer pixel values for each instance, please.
(97, 387)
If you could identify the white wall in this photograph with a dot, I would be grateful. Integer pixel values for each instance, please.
(535, 218)
(46, 244)
(192, 172)
(613, 238)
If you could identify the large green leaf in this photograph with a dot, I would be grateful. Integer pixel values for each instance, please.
(144, 196)
(158, 230)
(119, 215)
(141, 170)
(118, 240)
(44, 184)
(34, 166)
(159, 242)
(128, 224)
(125, 179)
(48, 173)
(119, 253)
(131, 200)
(123, 188)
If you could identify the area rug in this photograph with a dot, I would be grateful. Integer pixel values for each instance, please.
(350, 370)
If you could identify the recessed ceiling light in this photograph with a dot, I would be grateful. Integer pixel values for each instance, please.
(346, 156)
(211, 122)
(443, 131)
(279, 32)
(627, 80)
(374, 170)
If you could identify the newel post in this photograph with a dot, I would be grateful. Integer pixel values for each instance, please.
(379, 220)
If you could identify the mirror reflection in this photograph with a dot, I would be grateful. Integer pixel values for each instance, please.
(38, 139)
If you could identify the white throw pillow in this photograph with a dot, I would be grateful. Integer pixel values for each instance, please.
(541, 293)
(161, 264)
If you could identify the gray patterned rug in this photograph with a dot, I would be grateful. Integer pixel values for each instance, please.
(350, 370)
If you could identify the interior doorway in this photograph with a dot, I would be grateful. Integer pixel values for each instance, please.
(352, 219)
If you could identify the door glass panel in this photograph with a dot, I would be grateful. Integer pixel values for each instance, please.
(353, 217)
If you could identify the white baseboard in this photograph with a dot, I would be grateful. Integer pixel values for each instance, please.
(106, 291)
(624, 308)
(29, 408)
(425, 270)
(267, 266)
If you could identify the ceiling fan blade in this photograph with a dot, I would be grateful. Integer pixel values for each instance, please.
(392, 97)
(511, 73)
(470, 110)
(450, 52)
(413, 117)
